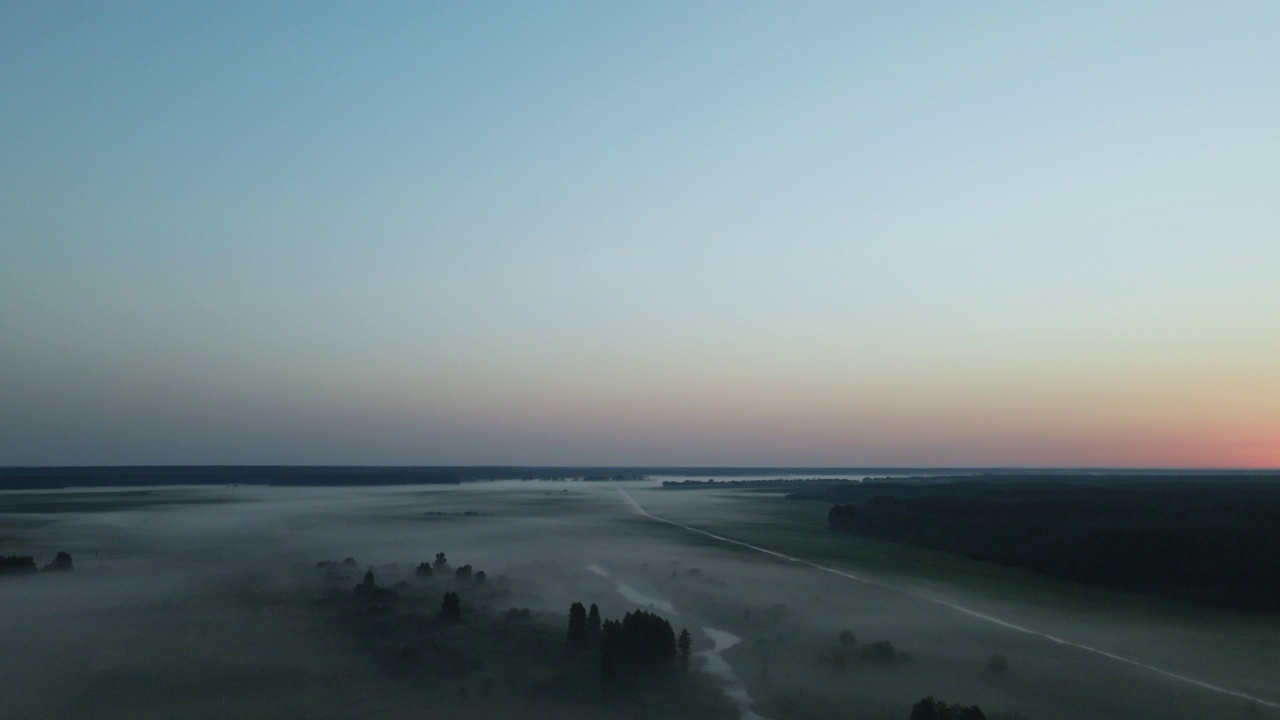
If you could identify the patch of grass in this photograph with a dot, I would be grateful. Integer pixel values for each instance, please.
(798, 528)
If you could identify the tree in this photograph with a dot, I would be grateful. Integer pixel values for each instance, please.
(593, 626)
(928, 709)
(17, 564)
(463, 573)
(441, 562)
(847, 637)
(842, 517)
(648, 641)
(879, 651)
(610, 648)
(685, 643)
(61, 562)
(424, 571)
(579, 639)
(480, 577)
(931, 709)
(451, 608)
(368, 578)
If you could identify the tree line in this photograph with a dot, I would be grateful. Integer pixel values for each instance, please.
(25, 564)
(640, 642)
(1213, 543)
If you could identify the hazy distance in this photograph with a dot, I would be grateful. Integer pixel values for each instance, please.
(669, 234)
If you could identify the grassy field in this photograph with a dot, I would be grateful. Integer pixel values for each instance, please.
(1086, 613)
(798, 527)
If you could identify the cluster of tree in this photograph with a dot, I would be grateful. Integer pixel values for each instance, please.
(882, 651)
(518, 614)
(17, 564)
(368, 589)
(584, 626)
(451, 608)
(1207, 542)
(428, 570)
(1028, 484)
(641, 642)
(842, 517)
(930, 709)
(24, 564)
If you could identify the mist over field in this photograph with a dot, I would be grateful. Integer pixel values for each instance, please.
(199, 602)
(634, 361)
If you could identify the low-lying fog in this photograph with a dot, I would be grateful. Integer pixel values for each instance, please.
(182, 604)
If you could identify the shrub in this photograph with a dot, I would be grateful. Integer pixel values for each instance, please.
(879, 651)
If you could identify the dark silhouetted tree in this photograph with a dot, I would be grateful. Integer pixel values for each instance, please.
(578, 635)
(463, 573)
(451, 608)
(685, 643)
(593, 626)
(610, 648)
(17, 564)
(480, 577)
(842, 517)
(441, 562)
(61, 562)
(648, 642)
(424, 571)
(931, 709)
(368, 578)
(879, 651)
(928, 709)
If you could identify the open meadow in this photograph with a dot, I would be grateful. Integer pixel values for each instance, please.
(206, 602)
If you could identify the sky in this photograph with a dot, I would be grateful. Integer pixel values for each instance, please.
(661, 233)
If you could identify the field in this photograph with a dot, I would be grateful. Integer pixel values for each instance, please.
(197, 602)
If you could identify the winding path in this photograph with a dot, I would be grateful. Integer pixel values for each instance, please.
(958, 608)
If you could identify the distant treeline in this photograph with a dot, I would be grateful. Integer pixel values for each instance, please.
(42, 478)
(1214, 541)
(26, 564)
(763, 484)
(293, 476)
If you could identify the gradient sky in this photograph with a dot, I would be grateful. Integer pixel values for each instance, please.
(903, 233)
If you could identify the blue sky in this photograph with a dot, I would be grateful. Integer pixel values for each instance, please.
(721, 233)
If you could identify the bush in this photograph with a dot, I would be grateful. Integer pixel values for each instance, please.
(835, 661)
(451, 608)
(17, 564)
(930, 709)
(881, 651)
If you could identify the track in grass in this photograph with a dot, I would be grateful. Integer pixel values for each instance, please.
(958, 608)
